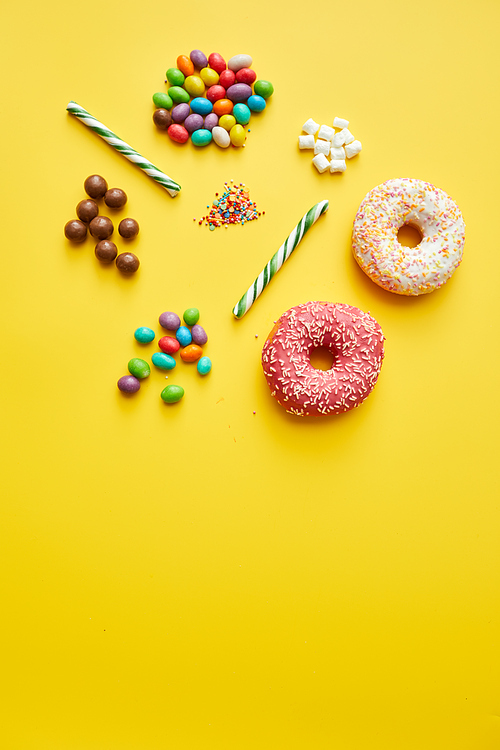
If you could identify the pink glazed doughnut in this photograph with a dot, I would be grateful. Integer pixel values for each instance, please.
(354, 339)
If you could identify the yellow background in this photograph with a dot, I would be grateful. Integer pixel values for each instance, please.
(202, 577)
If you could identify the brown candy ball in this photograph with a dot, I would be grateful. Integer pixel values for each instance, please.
(106, 251)
(95, 186)
(162, 118)
(101, 227)
(115, 198)
(87, 210)
(75, 230)
(128, 228)
(127, 262)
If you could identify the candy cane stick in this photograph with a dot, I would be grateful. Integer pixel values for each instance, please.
(170, 186)
(279, 258)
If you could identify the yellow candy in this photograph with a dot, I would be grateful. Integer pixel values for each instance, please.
(194, 86)
(227, 122)
(237, 135)
(209, 77)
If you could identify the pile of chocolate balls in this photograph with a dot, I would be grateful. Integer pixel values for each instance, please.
(101, 227)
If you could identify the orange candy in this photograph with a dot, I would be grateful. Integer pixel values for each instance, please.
(185, 65)
(223, 107)
(191, 353)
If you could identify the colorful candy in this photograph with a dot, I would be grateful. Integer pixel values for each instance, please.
(227, 78)
(144, 335)
(217, 62)
(265, 89)
(194, 85)
(163, 361)
(201, 137)
(185, 65)
(175, 77)
(201, 106)
(178, 95)
(128, 384)
(233, 207)
(191, 316)
(223, 107)
(209, 77)
(221, 137)
(241, 114)
(139, 368)
(183, 336)
(216, 92)
(191, 353)
(245, 75)
(172, 394)
(162, 118)
(193, 122)
(237, 135)
(198, 59)
(256, 103)
(239, 61)
(211, 121)
(239, 92)
(170, 321)
(199, 335)
(227, 122)
(169, 345)
(204, 365)
(178, 133)
(180, 112)
(163, 100)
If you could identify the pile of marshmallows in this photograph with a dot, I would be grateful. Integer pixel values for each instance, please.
(338, 146)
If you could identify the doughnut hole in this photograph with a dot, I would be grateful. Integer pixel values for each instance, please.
(409, 235)
(322, 358)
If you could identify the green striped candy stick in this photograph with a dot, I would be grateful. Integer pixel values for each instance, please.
(279, 258)
(170, 185)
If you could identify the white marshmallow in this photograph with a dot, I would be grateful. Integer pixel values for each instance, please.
(321, 163)
(337, 165)
(306, 141)
(337, 153)
(352, 149)
(310, 126)
(339, 122)
(322, 147)
(348, 136)
(326, 132)
(338, 139)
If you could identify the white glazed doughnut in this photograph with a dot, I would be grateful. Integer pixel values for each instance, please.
(408, 270)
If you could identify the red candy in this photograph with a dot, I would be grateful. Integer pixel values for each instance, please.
(168, 344)
(178, 133)
(246, 75)
(215, 92)
(217, 62)
(227, 78)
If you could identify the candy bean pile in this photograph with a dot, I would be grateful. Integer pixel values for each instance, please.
(209, 100)
(329, 143)
(188, 339)
(232, 207)
(101, 227)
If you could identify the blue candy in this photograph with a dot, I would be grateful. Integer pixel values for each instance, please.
(255, 102)
(163, 361)
(144, 335)
(242, 113)
(204, 365)
(201, 106)
(183, 336)
(201, 137)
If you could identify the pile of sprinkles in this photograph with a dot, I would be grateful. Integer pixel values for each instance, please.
(232, 207)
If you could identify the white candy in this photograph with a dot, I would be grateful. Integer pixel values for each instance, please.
(310, 126)
(348, 136)
(326, 132)
(306, 141)
(322, 147)
(337, 165)
(238, 62)
(337, 153)
(340, 123)
(338, 139)
(221, 137)
(321, 163)
(352, 149)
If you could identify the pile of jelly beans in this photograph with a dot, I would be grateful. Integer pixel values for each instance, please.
(188, 338)
(209, 100)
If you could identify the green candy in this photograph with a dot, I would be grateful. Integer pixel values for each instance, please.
(191, 316)
(172, 393)
(179, 95)
(263, 88)
(138, 368)
(175, 77)
(162, 100)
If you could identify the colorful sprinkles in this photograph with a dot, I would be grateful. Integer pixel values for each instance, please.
(232, 207)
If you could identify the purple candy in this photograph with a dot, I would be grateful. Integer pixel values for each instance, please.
(239, 92)
(199, 335)
(180, 112)
(193, 122)
(198, 59)
(170, 321)
(211, 121)
(128, 384)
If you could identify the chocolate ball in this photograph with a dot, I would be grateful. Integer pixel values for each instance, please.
(75, 230)
(106, 251)
(101, 227)
(128, 228)
(87, 210)
(95, 186)
(127, 262)
(115, 198)
(162, 118)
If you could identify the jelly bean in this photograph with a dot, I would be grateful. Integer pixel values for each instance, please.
(175, 77)
(201, 137)
(194, 85)
(239, 61)
(265, 89)
(183, 336)
(221, 137)
(180, 112)
(172, 394)
(201, 106)
(162, 100)
(245, 75)
(169, 345)
(178, 133)
(198, 59)
(198, 332)
(227, 122)
(191, 353)
(163, 361)
(179, 95)
(193, 122)
(139, 368)
(144, 335)
(185, 65)
(239, 92)
(191, 316)
(204, 365)
(256, 103)
(211, 121)
(216, 92)
(241, 113)
(170, 321)
(128, 384)
(223, 107)
(209, 77)
(217, 62)
(227, 78)
(237, 135)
